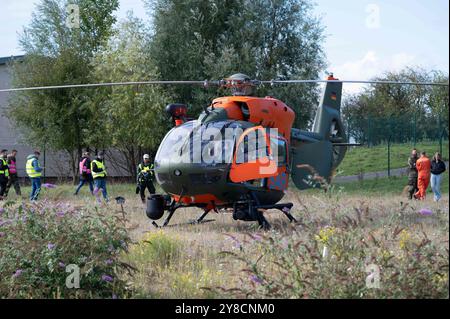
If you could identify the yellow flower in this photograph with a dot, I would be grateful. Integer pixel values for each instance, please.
(325, 234)
(404, 238)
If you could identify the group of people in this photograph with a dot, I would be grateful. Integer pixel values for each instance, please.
(422, 172)
(9, 176)
(92, 173)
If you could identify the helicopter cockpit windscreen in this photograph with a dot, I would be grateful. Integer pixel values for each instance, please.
(193, 142)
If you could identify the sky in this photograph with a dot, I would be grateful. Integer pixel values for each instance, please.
(364, 38)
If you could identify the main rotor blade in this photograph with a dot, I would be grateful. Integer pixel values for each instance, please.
(207, 83)
(88, 85)
(352, 82)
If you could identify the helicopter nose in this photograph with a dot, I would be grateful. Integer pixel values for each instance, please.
(191, 178)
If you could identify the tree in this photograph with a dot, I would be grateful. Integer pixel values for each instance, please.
(266, 39)
(402, 112)
(57, 53)
(131, 118)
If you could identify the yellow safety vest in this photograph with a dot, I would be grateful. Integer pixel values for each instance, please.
(101, 166)
(31, 172)
(6, 171)
(146, 169)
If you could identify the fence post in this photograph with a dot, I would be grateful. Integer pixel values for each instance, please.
(441, 133)
(414, 128)
(45, 164)
(389, 156)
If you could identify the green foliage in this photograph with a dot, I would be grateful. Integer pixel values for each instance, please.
(124, 59)
(56, 54)
(197, 39)
(402, 112)
(38, 241)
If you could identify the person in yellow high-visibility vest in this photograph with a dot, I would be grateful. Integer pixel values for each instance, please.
(98, 171)
(4, 173)
(34, 172)
(144, 177)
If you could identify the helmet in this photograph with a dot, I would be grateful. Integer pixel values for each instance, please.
(146, 156)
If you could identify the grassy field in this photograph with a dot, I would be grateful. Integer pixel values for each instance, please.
(388, 186)
(347, 228)
(374, 159)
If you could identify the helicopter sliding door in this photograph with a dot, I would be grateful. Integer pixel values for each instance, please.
(253, 158)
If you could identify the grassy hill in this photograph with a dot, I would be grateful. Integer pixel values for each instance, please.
(373, 159)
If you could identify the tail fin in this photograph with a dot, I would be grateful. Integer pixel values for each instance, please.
(324, 148)
(329, 110)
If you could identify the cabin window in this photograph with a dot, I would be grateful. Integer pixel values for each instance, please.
(280, 146)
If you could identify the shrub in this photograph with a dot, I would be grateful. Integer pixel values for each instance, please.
(337, 262)
(38, 241)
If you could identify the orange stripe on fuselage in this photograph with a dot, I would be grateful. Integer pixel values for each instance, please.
(199, 199)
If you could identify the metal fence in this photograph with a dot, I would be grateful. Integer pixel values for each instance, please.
(387, 130)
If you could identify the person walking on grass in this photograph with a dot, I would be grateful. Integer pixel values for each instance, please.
(13, 177)
(4, 173)
(423, 165)
(437, 168)
(85, 173)
(34, 172)
(144, 177)
(98, 171)
(412, 174)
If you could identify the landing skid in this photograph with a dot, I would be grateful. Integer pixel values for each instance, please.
(246, 210)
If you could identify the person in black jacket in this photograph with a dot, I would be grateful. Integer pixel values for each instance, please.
(412, 174)
(437, 168)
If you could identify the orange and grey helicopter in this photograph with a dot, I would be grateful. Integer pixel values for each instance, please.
(239, 154)
(264, 150)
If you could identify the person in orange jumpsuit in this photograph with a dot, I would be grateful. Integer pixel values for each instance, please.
(423, 166)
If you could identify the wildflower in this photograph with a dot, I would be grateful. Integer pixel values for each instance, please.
(404, 238)
(2, 210)
(17, 273)
(2, 234)
(61, 264)
(325, 234)
(48, 185)
(109, 262)
(50, 246)
(425, 212)
(256, 279)
(107, 278)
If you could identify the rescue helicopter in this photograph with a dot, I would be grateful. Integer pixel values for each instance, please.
(258, 181)
(239, 155)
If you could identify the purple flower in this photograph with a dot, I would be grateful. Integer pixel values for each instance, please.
(61, 264)
(17, 273)
(60, 213)
(4, 222)
(2, 234)
(256, 279)
(257, 237)
(48, 185)
(2, 210)
(107, 278)
(425, 211)
(114, 296)
(109, 262)
(50, 246)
